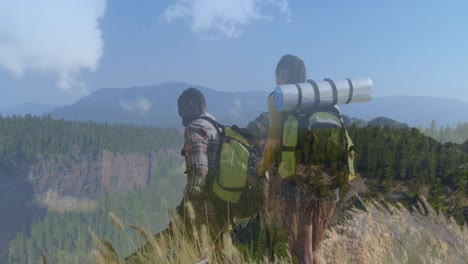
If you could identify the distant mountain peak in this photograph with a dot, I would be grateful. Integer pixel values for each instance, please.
(388, 122)
(412, 110)
(156, 105)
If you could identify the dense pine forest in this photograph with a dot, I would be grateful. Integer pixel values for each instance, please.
(405, 163)
(397, 164)
(23, 138)
(458, 134)
(65, 237)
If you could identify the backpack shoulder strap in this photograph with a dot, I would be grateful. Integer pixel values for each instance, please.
(350, 146)
(217, 125)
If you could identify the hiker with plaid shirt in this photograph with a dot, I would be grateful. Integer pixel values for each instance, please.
(201, 151)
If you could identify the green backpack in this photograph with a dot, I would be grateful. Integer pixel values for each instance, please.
(237, 162)
(318, 140)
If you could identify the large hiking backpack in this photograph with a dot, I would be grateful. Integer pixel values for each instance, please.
(317, 141)
(237, 161)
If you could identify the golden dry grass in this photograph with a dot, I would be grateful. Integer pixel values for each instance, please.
(382, 233)
(393, 234)
(178, 248)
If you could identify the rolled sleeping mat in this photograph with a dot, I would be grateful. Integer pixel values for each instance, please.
(311, 94)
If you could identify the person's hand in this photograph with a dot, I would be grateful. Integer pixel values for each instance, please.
(263, 172)
(194, 192)
(267, 176)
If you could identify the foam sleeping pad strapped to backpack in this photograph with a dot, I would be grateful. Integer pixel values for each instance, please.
(314, 136)
(289, 97)
(235, 155)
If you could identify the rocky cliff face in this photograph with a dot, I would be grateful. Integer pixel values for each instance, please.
(82, 176)
(70, 182)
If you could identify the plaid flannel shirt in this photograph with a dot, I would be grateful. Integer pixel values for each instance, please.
(202, 148)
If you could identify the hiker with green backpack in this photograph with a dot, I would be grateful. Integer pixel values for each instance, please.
(220, 162)
(308, 158)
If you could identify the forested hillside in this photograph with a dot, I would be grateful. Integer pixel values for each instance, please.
(64, 167)
(399, 163)
(66, 237)
(23, 138)
(402, 163)
(396, 162)
(457, 134)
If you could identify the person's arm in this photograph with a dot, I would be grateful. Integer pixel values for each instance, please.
(196, 158)
(275, 132)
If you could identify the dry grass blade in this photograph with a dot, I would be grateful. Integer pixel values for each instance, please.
(42, 256)
(190, 211)
(116, 221)
(142, 232)
(152, 243)
(98, 257)
(105, 249)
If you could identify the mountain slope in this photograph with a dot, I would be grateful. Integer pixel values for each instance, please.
(156, 105)
(28, 108)
(412, 110)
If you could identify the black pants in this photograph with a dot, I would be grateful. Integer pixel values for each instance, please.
(191, 214)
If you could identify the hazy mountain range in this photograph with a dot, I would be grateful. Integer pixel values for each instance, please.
(155, 105)
(412, 110)
(28, 108)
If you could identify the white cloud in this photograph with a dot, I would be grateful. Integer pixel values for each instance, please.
(236, 108)
(62, 37)
(140, 105)
(224, 17)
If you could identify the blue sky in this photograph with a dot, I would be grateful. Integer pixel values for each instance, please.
(55, 51)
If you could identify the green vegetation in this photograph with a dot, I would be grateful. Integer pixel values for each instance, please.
(66, 238)
(387, 156)
(22, 138)
(458, 134)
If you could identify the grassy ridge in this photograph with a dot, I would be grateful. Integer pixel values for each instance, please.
(378, 233)
(382, 233)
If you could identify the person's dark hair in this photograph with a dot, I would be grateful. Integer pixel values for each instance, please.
(191, 104)
(292, 68)
(194, 96)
